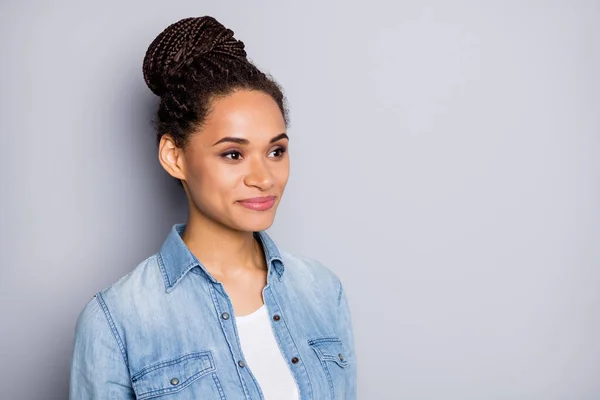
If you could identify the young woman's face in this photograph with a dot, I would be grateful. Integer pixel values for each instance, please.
(236, 168)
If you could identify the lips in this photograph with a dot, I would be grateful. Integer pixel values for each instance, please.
(258, 203)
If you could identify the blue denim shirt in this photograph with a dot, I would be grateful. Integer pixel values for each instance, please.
(167, 331)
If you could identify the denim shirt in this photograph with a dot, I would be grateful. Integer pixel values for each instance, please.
(167, 330)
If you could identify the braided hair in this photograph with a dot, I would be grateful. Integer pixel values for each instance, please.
(192, 62)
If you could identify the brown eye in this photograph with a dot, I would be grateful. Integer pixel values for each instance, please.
(278, 152)
(232, 155)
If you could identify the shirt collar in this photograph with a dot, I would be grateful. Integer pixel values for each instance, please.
(176, 260)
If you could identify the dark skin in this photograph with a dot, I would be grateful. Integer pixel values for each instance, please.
(239, 153)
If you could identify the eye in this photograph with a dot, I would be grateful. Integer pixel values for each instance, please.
(232, 155)
(278, 152)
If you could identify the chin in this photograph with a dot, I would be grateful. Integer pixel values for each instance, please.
(255, 223)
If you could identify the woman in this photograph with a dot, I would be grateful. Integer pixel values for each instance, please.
(219, 312)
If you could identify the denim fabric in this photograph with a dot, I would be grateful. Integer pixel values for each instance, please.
(167, 331)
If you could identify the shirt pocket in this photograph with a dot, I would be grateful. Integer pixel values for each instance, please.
(172, 376)
(330, 352)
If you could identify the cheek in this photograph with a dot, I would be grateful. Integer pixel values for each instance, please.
(282, 173)
(213, 180)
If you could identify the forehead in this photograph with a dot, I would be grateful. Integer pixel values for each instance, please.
(244, 113)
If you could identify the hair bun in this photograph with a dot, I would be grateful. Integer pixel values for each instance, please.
(201, 42)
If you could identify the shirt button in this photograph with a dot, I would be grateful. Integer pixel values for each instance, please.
(276, 317)
(295, 360)
(174, 381)
(225, 315)
(241, 364)
(341, 357)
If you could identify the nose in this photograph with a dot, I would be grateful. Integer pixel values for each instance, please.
(259, 176)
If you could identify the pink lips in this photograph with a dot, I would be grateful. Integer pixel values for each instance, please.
(258, 203)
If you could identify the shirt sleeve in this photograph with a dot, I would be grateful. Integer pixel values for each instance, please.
(98, 368)
(347, 337)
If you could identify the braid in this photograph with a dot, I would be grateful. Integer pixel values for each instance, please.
(192, 61)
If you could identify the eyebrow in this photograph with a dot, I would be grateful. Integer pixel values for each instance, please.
(246, 141)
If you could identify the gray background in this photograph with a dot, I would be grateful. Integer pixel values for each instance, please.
(445, 166)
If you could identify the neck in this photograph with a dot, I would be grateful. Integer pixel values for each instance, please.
(224, 252)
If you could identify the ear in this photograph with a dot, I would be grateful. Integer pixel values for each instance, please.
(171, 157)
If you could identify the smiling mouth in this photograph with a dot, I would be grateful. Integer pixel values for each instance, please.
(258, 203)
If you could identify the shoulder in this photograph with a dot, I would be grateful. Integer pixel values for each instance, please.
(144, 281)
(308, 266)
(310, 272)
(138, 286)
(91, 318)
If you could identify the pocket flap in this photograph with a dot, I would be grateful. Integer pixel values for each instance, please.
(329, 349)
(173, 375)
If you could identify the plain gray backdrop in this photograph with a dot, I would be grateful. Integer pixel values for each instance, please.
(445, 161)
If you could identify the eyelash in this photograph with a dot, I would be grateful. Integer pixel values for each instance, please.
(227, 154)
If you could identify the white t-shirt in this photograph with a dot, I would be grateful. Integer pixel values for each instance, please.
(264, 358)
